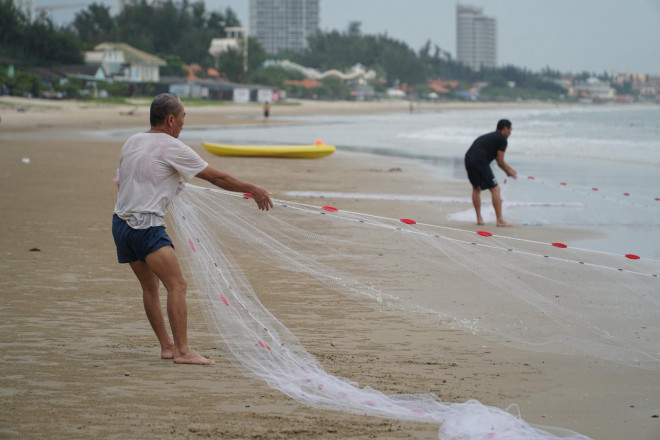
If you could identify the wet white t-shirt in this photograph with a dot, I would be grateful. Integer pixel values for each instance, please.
(150, 168)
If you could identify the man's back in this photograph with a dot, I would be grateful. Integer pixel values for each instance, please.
(484, 149)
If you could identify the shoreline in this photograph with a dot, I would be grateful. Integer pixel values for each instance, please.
(80, 360)
(47, 114)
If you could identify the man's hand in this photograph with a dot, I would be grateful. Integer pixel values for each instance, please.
(262, 197)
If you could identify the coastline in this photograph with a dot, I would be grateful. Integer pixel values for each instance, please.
(80, 360)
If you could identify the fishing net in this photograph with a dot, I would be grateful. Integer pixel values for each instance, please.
(566, 203)
(537, 295)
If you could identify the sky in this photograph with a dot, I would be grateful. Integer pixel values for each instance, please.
(571, 36)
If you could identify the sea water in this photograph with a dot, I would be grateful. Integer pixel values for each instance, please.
(590, 167)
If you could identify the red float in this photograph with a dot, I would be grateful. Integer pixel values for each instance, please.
(559, 245)
(632, 256)
(408, 221)
(248, 196)
(484, 233)
(330, 209)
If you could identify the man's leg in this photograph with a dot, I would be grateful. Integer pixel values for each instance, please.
(165, 266)
(149, 282)
(476, 201)
(497, 205)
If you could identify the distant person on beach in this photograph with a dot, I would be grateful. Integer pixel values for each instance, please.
(484, 150)
(151, 165)
(266, 111)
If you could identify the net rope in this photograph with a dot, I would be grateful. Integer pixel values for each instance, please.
(534, 294)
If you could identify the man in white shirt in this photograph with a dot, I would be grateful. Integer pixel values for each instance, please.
(151, 165)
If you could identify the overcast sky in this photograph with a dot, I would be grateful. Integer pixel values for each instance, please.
(566, 35)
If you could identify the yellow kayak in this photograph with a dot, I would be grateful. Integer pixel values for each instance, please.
(292, 151)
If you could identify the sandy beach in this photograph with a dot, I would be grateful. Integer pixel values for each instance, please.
(79, 359)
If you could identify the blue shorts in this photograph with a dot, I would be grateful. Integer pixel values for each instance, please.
(136, 244)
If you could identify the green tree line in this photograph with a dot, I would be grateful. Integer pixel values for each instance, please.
(181, 33)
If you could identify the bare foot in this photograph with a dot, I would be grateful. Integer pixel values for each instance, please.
(480, 220)
(167, 352)
(503, 223)
(192, 357)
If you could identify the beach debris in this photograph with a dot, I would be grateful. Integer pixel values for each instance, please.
(25, 160)
(130, 112)
(35, 250)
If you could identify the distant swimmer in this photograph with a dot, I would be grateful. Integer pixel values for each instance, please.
(266, 111)
(484, 150)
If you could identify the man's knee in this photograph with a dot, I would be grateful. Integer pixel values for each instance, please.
(179, 285)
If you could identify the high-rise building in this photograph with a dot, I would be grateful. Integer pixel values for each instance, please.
(476, 38)
(283, 24)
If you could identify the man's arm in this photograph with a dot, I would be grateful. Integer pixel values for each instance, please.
(225, 181)
(505, 167)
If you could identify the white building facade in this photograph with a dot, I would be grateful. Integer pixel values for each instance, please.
(476, 38)
(281, 25)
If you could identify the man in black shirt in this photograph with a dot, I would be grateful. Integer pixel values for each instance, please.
(483, 151)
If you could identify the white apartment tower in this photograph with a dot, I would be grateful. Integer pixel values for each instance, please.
(476, 38)
(283, 24)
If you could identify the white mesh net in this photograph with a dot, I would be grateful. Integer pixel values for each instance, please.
(534, 294)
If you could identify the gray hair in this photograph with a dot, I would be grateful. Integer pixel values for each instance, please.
(163, 105)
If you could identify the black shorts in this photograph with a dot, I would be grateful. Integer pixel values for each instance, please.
(480, 174)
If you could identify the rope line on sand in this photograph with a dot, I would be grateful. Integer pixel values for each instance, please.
(331, 209)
